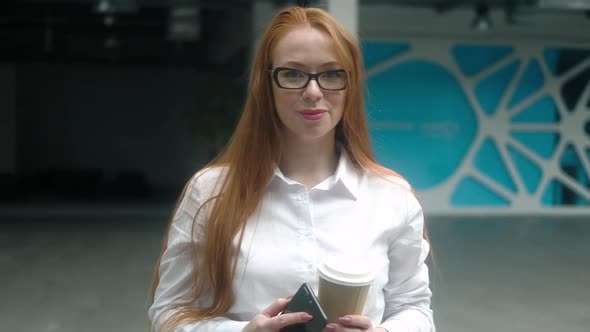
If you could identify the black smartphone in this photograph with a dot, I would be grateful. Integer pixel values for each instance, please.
(306, 301)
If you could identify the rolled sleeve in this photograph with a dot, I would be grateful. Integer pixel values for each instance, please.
(407, 293)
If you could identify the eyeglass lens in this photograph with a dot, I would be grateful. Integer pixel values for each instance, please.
(296, 79)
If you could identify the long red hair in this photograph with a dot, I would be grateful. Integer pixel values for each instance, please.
(255, 146)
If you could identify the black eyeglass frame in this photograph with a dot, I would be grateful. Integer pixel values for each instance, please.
(275, 75)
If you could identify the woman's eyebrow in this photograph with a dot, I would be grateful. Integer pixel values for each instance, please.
(299, 65)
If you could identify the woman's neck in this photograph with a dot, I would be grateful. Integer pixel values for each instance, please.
(310, 162)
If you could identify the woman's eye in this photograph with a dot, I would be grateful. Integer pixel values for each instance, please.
(333, 74)
(292, 74)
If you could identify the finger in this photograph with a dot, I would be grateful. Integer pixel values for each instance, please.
(340, 328)
(276, 307)
(280, 321)
(358, 321)
(329, 328)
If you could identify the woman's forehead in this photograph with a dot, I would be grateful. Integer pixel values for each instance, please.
(305, 46)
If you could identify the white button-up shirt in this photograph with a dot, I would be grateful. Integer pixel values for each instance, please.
(353, 213)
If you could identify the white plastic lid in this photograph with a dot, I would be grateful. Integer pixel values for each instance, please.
(346, 271)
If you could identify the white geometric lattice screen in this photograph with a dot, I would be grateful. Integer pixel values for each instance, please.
(484, 128)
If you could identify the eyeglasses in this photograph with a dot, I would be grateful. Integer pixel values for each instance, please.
(288, 78)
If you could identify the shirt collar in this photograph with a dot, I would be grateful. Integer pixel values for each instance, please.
(345, 179)
(347, 174)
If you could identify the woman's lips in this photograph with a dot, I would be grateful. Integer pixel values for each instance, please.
(313, 114)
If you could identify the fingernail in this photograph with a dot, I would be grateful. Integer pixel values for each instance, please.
(290, 296)
(345, 319)
(330, 327)
(305, 315)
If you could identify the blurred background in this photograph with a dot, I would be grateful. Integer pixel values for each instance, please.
(107, 107)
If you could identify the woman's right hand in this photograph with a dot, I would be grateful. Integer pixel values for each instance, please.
(269, 320)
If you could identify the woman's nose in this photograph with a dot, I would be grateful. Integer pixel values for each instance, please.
(312, 91)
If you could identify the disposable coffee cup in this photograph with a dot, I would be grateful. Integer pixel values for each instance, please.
(343, 287)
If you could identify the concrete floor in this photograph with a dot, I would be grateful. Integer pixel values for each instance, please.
(88, 269)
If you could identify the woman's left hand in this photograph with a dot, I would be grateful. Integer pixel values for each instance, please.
(352, 323)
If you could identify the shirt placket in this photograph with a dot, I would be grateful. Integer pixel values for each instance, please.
(306, 236)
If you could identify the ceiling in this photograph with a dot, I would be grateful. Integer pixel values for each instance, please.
(139, 31)
(129, 33)
(224, 3)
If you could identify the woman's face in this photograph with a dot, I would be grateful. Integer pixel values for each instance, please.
(311, 113)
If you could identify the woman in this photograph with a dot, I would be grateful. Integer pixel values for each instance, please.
(297, 183)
